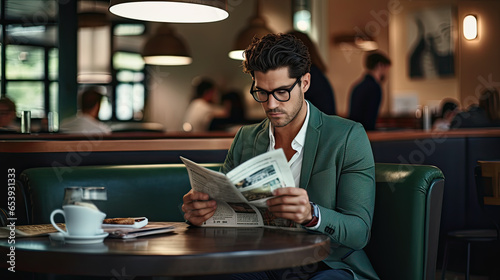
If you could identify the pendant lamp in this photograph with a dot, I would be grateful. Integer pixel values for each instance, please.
(186, 11)
(91, 14)
(94, 50)
(165, 48)
(256, 28)
(94, 43)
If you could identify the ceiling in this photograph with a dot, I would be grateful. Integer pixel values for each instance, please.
(31, 10)
(35, 21)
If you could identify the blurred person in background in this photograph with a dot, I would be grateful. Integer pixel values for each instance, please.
(484, 114)
(202, 109)
(86, 120)
(7, 115)
(320, 93)
(366, 95)
(449, 109)
(233, 103)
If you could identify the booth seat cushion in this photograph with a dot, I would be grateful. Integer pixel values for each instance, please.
(154, 191)
(405, 230)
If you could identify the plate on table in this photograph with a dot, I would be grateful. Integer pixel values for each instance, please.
(59, 236)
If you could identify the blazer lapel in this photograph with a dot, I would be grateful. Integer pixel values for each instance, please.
(261, 143)
(310, 146)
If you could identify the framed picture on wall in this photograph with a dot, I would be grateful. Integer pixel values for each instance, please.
(431, 43)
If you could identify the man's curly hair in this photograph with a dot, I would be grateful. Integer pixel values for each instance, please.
(275, 51)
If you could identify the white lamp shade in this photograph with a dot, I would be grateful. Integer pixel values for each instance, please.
(470, 27)
(185, 11)
(168, 60)
(256, 28)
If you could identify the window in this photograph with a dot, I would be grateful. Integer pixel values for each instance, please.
(30, 63)
(130, 90)
(27, 80)
(30, 58)
(126, 92)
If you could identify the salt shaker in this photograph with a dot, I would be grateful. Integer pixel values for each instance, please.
(25, 121)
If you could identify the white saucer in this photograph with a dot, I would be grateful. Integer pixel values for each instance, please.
(58, 236)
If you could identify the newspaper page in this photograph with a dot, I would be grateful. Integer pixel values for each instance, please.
(235, 214)
(258, 177)
(213, 183)
(241, 193)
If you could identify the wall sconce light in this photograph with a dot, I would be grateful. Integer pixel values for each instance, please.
(166, 48)
(470, 27)
(186, 11)
(256, 28)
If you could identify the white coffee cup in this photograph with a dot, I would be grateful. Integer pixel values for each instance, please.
(80, 220)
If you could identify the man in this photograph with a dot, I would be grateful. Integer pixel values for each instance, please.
(7, 115)
(330, 159)
(367, 95)
(202, 110)
(87, 120)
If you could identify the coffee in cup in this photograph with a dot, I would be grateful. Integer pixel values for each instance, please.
(80, 220)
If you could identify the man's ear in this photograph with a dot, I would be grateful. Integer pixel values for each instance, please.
(306, 82)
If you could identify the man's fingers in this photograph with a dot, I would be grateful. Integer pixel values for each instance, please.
(197, 217)
(197, 205)
(194, 196)
(289, 191)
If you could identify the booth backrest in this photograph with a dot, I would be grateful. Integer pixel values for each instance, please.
(405, 230)
(152, 191)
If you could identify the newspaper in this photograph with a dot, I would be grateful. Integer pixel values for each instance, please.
(241, 194)
(29, 230)
(129, 232)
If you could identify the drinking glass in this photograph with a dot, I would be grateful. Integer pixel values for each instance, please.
(84, 196)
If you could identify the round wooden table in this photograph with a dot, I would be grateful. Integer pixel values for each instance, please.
(185, 251)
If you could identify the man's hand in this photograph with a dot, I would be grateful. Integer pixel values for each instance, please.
(292, 204)
(198, 207)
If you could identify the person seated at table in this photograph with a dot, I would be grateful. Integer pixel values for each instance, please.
(87, 121)
(449, 109)
(202, 109)
(330, 158)
(484, 114)
(7, 116)
(234, 105)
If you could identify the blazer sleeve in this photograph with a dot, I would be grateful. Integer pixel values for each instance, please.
(230, 162)
(349, 224)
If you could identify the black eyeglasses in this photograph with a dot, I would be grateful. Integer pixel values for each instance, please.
(280, 94)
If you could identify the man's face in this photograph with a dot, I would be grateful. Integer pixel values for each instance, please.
(384, 72)
(283, 113)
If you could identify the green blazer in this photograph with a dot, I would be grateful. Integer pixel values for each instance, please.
(338, 173)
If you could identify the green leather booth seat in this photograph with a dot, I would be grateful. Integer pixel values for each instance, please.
(152, 191)
(404, 237)
(405, 230)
